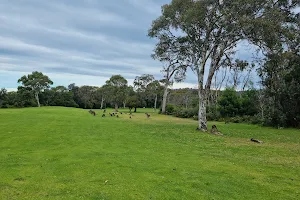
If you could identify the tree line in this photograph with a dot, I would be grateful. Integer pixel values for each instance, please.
(36, 91)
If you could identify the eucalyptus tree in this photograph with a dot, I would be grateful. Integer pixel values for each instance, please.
(169, 50)
(102, 95)
(205, 29)
(154, 90)
(37, 82)
(207, 32)
(140, 84)
(86, 96)
(117, 86)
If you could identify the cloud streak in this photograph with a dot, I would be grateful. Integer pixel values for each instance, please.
(88, 40)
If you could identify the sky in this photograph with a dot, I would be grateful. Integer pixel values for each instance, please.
(80, 41)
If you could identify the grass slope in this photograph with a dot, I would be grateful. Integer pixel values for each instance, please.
(66, 153)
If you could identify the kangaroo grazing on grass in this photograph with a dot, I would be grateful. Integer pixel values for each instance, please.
(92, 112)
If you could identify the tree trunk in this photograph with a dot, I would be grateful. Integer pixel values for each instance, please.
(186, 101)
(135, 109)
(164, 103)
(116, 107)
(202, 110)
(37, 99)
(124, 105)
(155, 102)
(102, 101)
(202, 123)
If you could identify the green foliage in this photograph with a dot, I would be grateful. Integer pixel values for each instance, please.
(37, 82)
(194, 32)
(141, 82)
(281, 79)
(148, 91)
(58, 96)
(132, 102)
(249, 102)
(24, 98)
(229, 103)
(184, 97)
(212, 113)
(117, 89)
(3, 96)
(86, 96)
(186, 113)
(170, 108)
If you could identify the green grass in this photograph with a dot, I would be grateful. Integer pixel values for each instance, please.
(66, 153)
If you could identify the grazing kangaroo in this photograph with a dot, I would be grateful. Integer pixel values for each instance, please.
(148, 115)
(214, 130)
(257, 141)
(92, 112)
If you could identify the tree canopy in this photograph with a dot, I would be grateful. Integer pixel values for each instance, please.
(37, 82)
(204, 34)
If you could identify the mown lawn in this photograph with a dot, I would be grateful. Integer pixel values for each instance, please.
(66, 153)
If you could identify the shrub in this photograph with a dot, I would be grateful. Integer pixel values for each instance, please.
(186, 113)
(170, 108)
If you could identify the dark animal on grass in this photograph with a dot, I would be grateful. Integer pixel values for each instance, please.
(117, 116)
(130, 117)
(148, 115)
(256, 141)
(214, 130)
(104, 111)
(92, 112)
(121, 113)
(103, 115)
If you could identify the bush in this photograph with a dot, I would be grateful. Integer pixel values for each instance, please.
(170, 108)
(213, 116)
(4, 106)
(186, 113)
(244, 119)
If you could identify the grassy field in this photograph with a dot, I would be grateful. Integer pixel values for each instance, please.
(66, 153)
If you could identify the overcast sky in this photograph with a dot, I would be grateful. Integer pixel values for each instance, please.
(79, 41)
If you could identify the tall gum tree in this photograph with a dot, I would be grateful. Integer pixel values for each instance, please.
(37, 82)
(117, 86)
(208, 30)
(169, 50)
